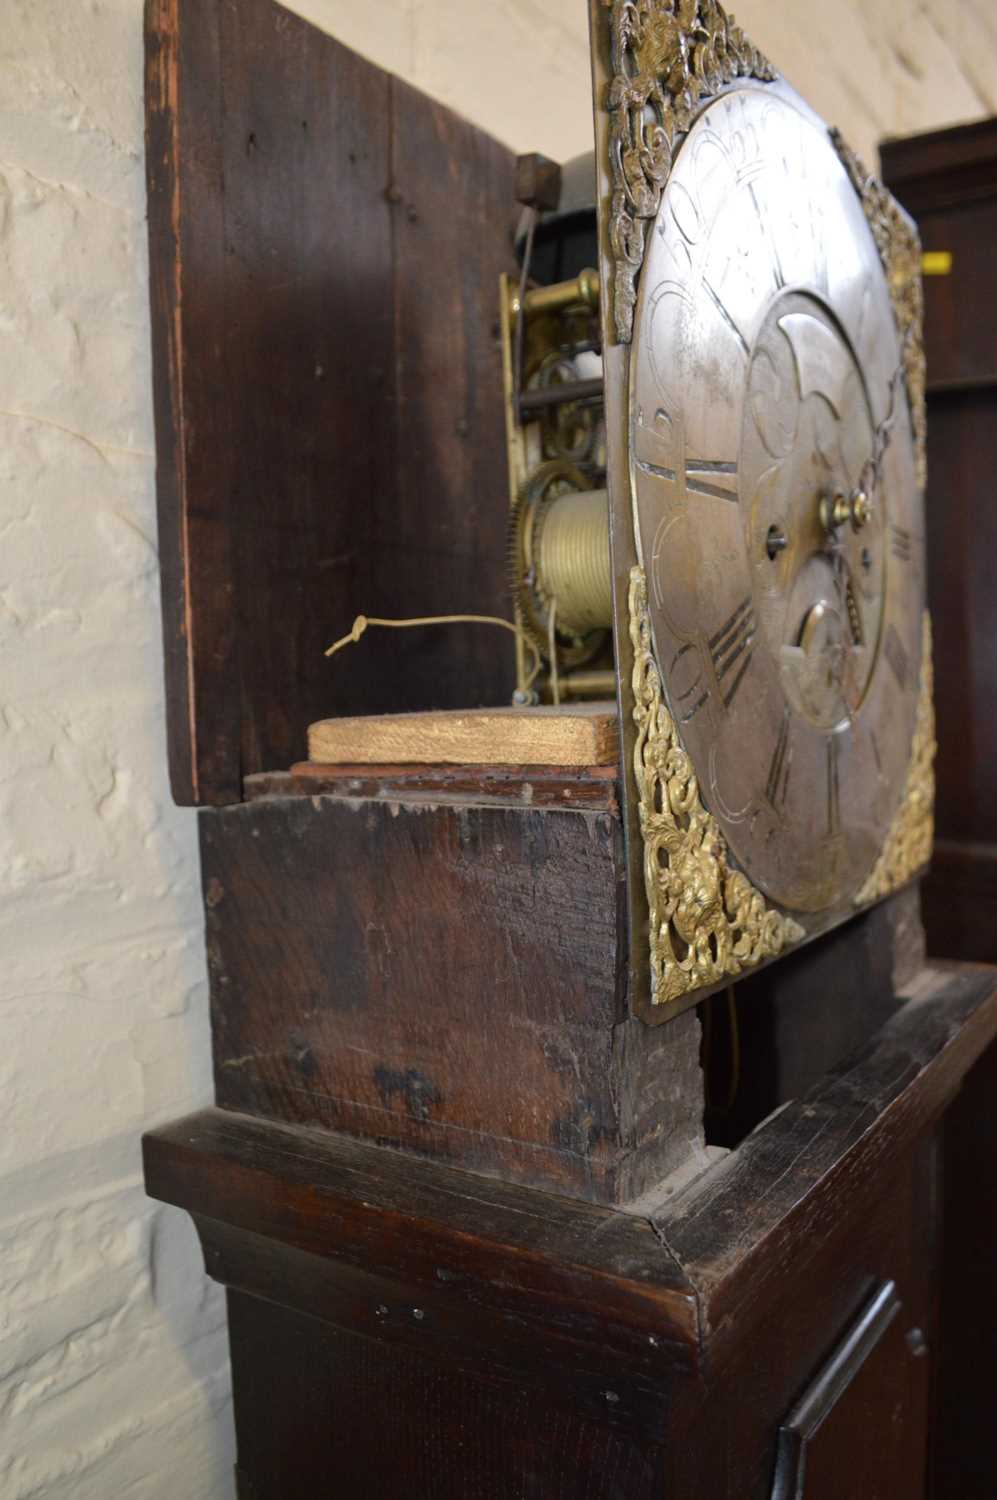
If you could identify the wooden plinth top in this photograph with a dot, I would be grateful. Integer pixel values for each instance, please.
(613, 1299)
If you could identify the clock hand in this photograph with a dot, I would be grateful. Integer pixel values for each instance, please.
(883, 434)
(836, 508)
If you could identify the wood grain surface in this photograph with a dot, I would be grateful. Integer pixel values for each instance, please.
(404, 1425)
(595, 787)
(581, 734)
(692, 1321)
(948, 180)
(327, 381)
(443, 974)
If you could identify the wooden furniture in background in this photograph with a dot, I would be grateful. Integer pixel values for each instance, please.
(948, 182)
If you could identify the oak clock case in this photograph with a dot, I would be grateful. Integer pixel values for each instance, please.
(764, 391)
(459, 1193)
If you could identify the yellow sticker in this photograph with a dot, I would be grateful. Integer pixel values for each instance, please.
(936, 262)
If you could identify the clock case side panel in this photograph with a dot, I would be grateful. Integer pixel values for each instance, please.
(628, 197)
(325, 248)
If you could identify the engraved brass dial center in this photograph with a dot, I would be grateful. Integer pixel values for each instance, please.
(775, 497)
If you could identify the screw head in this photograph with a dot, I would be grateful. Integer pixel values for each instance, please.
(861, 509)
(917, 1343)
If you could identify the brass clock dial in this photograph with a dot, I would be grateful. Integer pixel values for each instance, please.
(776, 505)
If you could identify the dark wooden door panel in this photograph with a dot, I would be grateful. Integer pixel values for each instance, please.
(962, 564)
(860, 1428)
(320, 1413)
(948, 180)
(960, 344)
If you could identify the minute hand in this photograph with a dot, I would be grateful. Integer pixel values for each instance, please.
(873, 471)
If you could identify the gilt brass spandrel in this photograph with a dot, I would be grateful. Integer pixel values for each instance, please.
(667, 58)
(706, 921)
(908, 844)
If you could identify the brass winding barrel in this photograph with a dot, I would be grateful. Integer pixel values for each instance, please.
(573, 562)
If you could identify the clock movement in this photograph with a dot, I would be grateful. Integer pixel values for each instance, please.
(487, 1227)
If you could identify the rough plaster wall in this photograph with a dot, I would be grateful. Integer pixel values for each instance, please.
(520, 68)
(113, 1378)
(112, 1357)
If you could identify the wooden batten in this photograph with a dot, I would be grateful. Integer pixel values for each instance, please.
(584, 734)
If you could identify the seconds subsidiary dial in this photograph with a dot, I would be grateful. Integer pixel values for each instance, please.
(776, 503)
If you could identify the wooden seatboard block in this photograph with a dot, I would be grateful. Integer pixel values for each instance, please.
(400, 942)
(583, 734)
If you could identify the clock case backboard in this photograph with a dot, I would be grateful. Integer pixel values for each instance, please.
(622, 184)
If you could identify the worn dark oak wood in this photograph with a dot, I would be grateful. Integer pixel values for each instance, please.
(960, 900)
(433, 962)
(730, 1450)
(965, 1436)
(366, 955)
(705, 1313)
(962, 540)
(595, 787)
(948, 180)
(945, 179)
(370, 941)
(391, 1423)
(309, 364)
(941, 167)
(485, 1262)
(829, 1148)
(327, 385)
(194, 454)
(439, 534)
(862, 1373)
(806, 1013)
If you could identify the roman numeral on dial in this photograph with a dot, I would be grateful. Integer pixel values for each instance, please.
(731, 649)
(712, 476)
(896, 654)
(833, 788)
(690, 691)
(782, 761)
(901, 544)
(703, 476)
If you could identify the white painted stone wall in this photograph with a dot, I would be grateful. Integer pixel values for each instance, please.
(520, 68)
(113, 1377)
